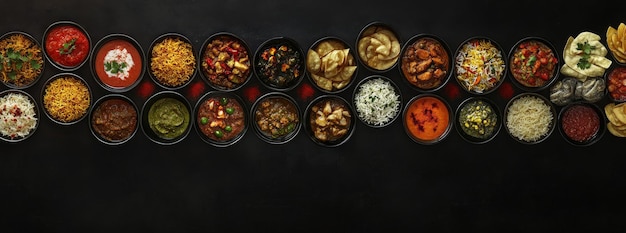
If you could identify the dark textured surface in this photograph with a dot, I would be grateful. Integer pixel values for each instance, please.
(63, 180)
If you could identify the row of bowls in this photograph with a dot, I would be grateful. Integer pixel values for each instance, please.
(329, 119)
(425, 61)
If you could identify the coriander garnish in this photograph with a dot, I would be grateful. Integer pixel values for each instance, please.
(68, 47)
(114, 67)
(583, 62)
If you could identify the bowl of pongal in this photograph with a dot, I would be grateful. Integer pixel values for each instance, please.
(329, 120)
(114, 119)
(480, 65)
(478, 120)
(529, 118)
(427, 119)
(172, 61)
(19, 115)
(225, 61)
(66, 98)
(279, 63)
(331, 64)
(377, 101)
(275, 118)
(221, 118)
(426, 62)
(166, 118)
(378, 47)
(21, 60)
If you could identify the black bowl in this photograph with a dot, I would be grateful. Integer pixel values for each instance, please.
(276, 102)
(425, 118)
(117, 106)
(329, 49)
(467, 76)
(14, 79)
(616, 84)
(75, 41)
(222, 127)
(237, 50)
(545, 112)
(378, 32)
(372, 83)
(175, 106)
(429, 79)
(582, 123)
(186, 58)
(279, 74)
(321, 120)
(522, 59)
(11, 130)
(98, 66)
(67, 102)
(478, 120)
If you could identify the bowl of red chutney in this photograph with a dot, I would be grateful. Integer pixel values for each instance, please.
(67, 45)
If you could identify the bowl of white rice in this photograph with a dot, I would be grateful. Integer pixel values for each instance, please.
(529, 118)
(19, 115)
(377, 101)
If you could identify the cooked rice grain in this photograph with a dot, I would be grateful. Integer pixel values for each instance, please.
(66, 99)
(173, 62)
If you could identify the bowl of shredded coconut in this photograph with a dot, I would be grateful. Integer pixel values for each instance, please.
(377, 101)
(19, 115)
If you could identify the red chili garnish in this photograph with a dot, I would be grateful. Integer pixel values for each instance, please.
(145, 89)
(196, 89)
(506, 90)
(305, 91)
(252, 93)
(209, 62)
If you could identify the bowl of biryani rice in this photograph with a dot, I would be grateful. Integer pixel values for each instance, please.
(66, 98)
(21, 60)
(172, 61)
(529, 118)
(19, 115)
(480, 65)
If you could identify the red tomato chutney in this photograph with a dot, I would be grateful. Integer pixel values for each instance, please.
(427, 118)
(118, 63)
(580, 123)
(533, 63)
(617, 83)
(67, 45)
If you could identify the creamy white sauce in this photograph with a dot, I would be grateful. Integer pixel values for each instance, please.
(120, 56)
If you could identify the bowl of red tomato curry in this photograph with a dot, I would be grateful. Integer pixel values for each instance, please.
(67, 45)
(533, 64)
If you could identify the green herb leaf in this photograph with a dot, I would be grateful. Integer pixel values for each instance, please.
(586, 48)
(114, 67)
(68, 47)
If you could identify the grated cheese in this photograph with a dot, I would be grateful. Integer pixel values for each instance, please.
(377, 102)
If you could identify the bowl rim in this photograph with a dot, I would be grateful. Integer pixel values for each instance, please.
(443, 43)
(443, 135)
(382, 24)
(504, 60)
(546, 101)
(351, 51)
(469, 138)
(160, 38)
(307, 119)
(210, 141)
(395, 86)
(43, 64)
(61, 75)
(276, 40)
(97, 104)
(145, 126)
(37, 115)
(555, 75)
(283, 139)
(67, 23)
(202, 51)
(601, 127)
(103, 41)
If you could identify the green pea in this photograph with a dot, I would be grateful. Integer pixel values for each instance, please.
(218, 133)
(204, 120)
(224, 101)
(228, 128)
(230, 111)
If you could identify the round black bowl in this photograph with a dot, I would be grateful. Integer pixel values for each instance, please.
(471, 83)
(384, 34)
(184, 44)
(522, 58)
(424, 118)
(98, 67)
(321, 124)
(362, 112)
(550, 115)
(70, 43)
(582, 123)
(11, 129)
(431, 79)
(328, 49)
(479, 107)
(284, 133)
(15, 79)
(177, 112)
(71, 104)
(220, 121)
(271, 70)
(133, 121)
(242, 55)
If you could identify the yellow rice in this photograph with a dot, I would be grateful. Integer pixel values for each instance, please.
(173, 62)
(66, 99)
